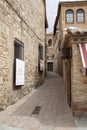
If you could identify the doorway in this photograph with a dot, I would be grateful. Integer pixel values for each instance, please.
(50, 66)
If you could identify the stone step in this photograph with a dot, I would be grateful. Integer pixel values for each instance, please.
(5, 127)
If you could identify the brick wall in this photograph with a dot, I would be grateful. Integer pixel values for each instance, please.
(61, 24)
(78, 84)
(74, 81)
(78, 81)
(73, 6)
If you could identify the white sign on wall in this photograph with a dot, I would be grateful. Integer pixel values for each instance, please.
(20, 68)
(76, 52)
(41, 65)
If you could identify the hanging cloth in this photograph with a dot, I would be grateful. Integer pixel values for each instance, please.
(83, 51)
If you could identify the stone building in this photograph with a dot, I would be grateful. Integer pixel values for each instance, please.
(70, 31)
(70, 14)
(74, 55)
(22, 48)
(49, 52)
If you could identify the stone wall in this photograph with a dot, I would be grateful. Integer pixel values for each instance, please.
(58, 62)
(24, 20)
(58, 67)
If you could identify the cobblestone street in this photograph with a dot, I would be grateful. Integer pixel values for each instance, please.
(54, 113)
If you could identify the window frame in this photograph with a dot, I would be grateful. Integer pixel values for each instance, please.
(83, 16)
(40, 51)
(40, 55)
(72, 17)
(20, 46)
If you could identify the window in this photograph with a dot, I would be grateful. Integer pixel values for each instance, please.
(18, 58)
(50, 42)
(69, 16)
(80, 15)
(18, 49)
(40, 52)
(40, 58)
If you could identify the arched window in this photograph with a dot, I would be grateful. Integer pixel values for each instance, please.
(50, 42)
(69, 16)
(80, 15)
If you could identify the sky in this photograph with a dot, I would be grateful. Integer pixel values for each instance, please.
(51, 10)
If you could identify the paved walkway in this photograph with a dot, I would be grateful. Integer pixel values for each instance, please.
(52, 111)
(81, 123)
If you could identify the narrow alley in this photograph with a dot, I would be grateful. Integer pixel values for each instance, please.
(52, 110)
(39, 37)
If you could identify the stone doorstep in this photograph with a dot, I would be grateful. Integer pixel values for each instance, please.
(5, 127)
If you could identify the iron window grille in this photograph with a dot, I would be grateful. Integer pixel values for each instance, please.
(40, 51)
(18, 54)
(40, 57)
(18, 49)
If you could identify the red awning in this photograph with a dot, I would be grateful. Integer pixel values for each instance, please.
(83, 51)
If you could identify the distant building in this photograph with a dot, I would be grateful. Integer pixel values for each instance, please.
(22, 48)
(70, 31)
(49, 52)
